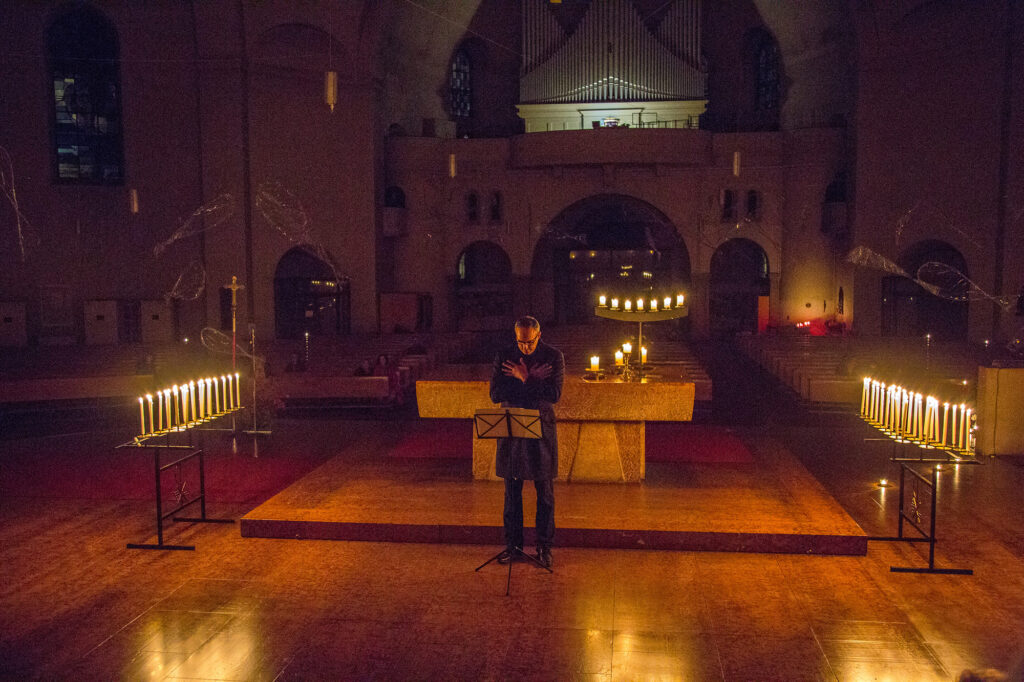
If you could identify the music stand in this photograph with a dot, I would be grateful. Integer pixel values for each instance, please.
(509, 422)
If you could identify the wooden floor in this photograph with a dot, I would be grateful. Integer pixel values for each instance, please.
(771, 504)
(76, 605)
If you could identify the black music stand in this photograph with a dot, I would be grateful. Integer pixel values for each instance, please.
(509, 422)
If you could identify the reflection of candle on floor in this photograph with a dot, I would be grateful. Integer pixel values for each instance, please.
(152, 424)
(618, 357)
(142, 419)
(643, 355)
(594, 363)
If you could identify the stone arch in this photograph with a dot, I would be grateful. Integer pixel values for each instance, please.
(605, 241)
(308, 297)
(910, 310)
(739, 277)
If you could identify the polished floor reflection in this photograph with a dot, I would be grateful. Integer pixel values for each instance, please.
(75, 604)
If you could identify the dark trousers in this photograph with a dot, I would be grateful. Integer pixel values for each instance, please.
(514, 512)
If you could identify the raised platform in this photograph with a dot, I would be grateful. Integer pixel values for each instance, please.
(769, 503)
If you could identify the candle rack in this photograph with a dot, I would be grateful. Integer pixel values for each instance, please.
(632, 371)
(190, 411)
(910, 419)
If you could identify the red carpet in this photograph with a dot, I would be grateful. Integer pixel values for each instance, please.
(93, 470)
(694, 443)
(666, 442)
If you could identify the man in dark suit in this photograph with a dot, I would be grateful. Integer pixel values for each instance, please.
(529, 375)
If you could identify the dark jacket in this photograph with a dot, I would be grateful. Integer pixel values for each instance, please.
(523, 458)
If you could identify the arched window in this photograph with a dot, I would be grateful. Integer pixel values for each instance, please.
(82, 50)
(753, 205)
(472, 208)
(728, 204)
(459, 86)
(496, 209)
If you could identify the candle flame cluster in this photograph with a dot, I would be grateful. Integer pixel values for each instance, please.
(641, 304)
(183, 406)
(622, 355)
(910, 417)
(800, 325)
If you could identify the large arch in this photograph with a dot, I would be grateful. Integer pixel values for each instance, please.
(910, 310)
(605, 242)
(739, 277)
(308, 297)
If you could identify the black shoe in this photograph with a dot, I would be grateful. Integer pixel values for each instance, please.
(508, 555)
(544, 557)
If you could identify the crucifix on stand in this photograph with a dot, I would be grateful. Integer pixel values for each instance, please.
(234, 286)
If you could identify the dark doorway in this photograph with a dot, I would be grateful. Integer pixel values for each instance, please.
(739, 275)
(483, 287)
(910, 310)
(308, 297)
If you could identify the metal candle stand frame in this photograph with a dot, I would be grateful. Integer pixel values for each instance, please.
(933, 483)
(192, 452)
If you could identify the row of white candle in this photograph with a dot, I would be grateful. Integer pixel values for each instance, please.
(652, 303)
(620, 357)
(913, 417)
(186, 404)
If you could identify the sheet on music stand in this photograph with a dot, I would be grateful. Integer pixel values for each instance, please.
(512, 422)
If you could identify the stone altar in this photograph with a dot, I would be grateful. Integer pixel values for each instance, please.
(600, 423)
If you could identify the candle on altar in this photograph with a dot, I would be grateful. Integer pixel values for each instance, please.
(159, 411)
(167, 406)
(595, 363)
(216, 395)
(643, 355)
(152, 424)
(628, 305)
(639, 304)
(615, 304)
(953, 428)
(627, 348)
(177, 414)
(654, 305)
(618, 357)
(229, 396)
(209, 397)
(142, 419)
(238, 390)
(202, 400)
(667, 303)
(864, 396)
(679, 300)
(184, 403)
(192, 397)
(601, 300)
(970, 429)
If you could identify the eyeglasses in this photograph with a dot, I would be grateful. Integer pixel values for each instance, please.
(529, 344)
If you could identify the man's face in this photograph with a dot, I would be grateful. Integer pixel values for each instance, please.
(526, 339)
